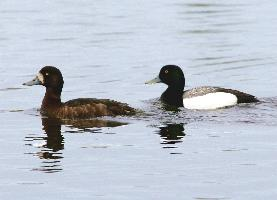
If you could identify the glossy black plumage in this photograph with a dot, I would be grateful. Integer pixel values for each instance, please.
(173, 76)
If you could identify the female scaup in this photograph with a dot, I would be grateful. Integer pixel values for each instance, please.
(51, 78)
(197, 98)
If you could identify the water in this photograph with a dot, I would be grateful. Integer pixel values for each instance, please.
(108, 49)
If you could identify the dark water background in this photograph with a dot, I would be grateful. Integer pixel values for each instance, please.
(107, 49)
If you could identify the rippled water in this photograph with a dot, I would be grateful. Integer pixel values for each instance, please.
(107, 50)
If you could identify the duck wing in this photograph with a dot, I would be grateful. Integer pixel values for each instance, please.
(91, 107)
(200, 91)
(242, 97)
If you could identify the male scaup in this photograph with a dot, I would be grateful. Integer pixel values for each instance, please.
(197, 98)
(51, 78)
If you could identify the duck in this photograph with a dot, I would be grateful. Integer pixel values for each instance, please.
(200, 98)
(51, 78)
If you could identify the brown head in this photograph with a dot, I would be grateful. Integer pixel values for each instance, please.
(49, 77)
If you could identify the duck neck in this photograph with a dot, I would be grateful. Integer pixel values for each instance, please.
(173, 96)
(52, 98)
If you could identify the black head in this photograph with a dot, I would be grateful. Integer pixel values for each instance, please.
(172, 75)
(48, 76)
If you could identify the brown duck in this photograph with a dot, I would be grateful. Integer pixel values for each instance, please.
(51, 78)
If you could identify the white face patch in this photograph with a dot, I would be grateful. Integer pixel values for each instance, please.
(40, 77)
(210, 101)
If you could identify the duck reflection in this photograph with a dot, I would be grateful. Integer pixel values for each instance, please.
(54, 139)
(52, 144)
(172, 133)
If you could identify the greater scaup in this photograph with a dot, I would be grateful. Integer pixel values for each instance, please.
(51, 78)
(198, 98)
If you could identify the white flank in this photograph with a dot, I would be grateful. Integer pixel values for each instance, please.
(210, 101)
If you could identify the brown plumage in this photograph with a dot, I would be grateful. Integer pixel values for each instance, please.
(81, 108)
(87, 108)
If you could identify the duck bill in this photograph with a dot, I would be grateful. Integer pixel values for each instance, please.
(153, 81)
(35, 81)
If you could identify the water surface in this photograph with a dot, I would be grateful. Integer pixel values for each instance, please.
(108, 50)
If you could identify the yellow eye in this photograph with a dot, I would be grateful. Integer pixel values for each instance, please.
(166, 71)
